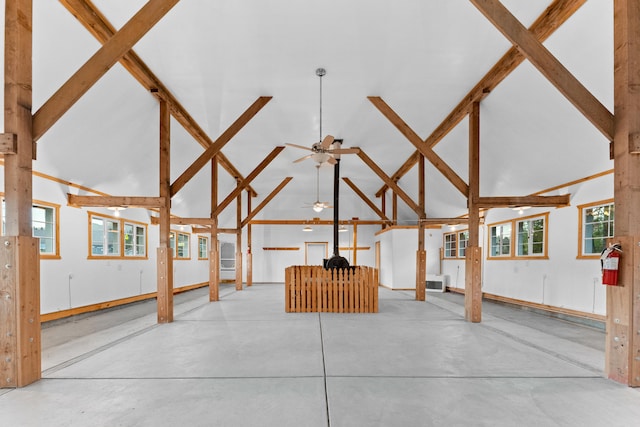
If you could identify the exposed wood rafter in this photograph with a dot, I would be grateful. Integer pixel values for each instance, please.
(110, 201)
(366, 199)
(551, 19)
(548, 65)
(517, 201)
(95, 22)
(215, 148)
(425, 150)
(266, 201)
(244, 183)
(89, 73)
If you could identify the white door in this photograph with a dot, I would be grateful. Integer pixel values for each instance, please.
(315, 252)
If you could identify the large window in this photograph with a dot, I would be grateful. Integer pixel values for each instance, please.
(531, 237)
(596, 226)
(44, 224)
(500, 240)
(112, 237)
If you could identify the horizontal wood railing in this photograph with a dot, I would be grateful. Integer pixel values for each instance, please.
(316, 289)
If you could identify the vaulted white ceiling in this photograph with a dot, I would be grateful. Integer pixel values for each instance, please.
(421, 57)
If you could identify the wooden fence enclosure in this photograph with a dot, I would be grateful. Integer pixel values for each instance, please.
(316, 289)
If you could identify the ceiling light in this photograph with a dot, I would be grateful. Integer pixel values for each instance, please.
(307, 228)
(521, 209)
(318, 207)
(342, 229)
(116, 210)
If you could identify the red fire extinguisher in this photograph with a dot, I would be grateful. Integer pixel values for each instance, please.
(609, 261)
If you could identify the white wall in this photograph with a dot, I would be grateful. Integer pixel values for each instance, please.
(74, 281)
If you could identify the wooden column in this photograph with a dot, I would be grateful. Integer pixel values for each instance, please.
(383, 206)
(355, 244)
(394, 208)
(20, 342)
(473, 261)
(421, 254)
(214, 255)
(249, 256)
(239, 239)
(622, 355)
(164, 252)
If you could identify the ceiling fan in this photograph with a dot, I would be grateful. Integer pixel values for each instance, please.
(327, 149)
(318, 206)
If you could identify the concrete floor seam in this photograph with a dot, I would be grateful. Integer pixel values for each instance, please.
(324, 370)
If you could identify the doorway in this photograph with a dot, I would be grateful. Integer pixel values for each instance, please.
(315, 252)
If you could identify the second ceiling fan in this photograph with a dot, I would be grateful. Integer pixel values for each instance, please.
(328, 148)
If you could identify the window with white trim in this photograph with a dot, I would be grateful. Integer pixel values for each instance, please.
(45, 226)
(203, 247)
(500, 240)
(179, 242)
(135, 240)
(450, 245)
(597, 222)
(105, 236)
(530, 237)
(463, 240)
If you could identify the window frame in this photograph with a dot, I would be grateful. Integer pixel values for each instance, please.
(581, 227)
(466, 243)
(135, 224)
(545, 236)
(121, 239)
(490, 246)
(173, 240)
(56, 226)
(206, 247)
(450, 246)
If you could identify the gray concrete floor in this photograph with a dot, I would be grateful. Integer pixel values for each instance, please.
(243, 361)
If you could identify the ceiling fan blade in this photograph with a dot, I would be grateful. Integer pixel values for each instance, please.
(299, 146)
(332, 161)
(344, 151)
(308, 156)
(326, 142)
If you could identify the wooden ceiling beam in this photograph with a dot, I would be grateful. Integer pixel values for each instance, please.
(266, 201)
(96, 23)
(548, 65)
(366, 199)
(396, 189)
(315, 221)
(519, 201)
(113, 201)
(242, 184)
(425, 150)
(215, 148)
(91, 71)
(406, 167)
(558, 12)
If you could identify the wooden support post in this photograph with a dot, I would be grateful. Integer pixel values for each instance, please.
(20, 341)
(622, 348)
(249, 257)
(473, 260)
(394, 208)
(383, 205)
(165, 254)
(214, 255)
(421, 254)
(20, 345)
(239, 239)
(355, 244)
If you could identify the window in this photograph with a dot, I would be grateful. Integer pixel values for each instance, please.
(179, 242)
(450, 245)
(530, 237)
(112, 237)
(44, 223)
(203, 247)
(500, 240)
(463, 239)
(596, 226)
(105, 237)
(135, 242)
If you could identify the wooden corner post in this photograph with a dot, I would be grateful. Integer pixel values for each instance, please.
(164, 253)
(473, 261)
(622, 348)
(214, 255)
(421, 254)
(20, 342)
